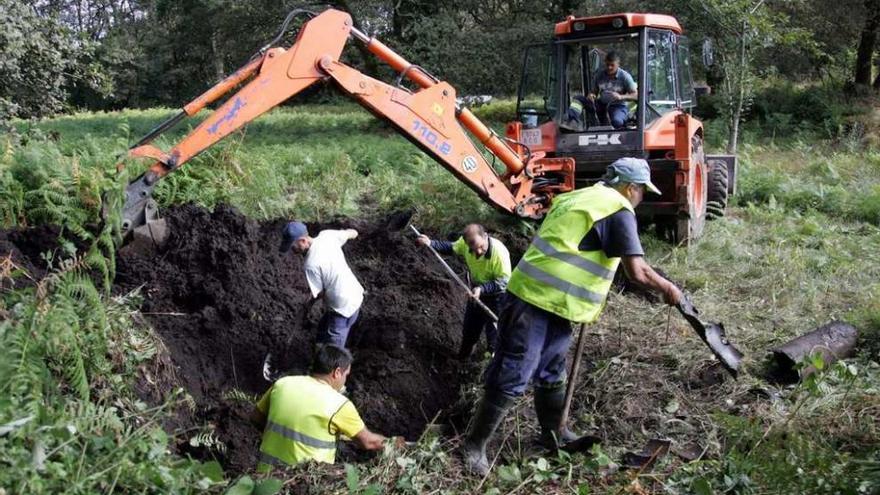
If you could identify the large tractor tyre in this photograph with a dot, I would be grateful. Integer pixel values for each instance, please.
(689, 226)
(717, 195)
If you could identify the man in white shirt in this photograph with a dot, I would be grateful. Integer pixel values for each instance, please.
(329, 277)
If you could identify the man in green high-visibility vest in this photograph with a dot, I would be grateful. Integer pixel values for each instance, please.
(563, 277)
(488, 264)
(302, 416)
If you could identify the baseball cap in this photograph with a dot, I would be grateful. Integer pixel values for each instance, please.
(632, 170)
(292, 231)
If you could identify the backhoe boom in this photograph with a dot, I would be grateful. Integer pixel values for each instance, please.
(428, 116)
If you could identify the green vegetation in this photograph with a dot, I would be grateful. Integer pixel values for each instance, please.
(799, 248)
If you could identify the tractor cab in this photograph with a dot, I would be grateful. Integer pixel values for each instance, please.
(612, 86)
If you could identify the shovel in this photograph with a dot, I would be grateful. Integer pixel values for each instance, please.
(713, 335)
(458, 279)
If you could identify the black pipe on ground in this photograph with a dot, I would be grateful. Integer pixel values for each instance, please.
(834, 340)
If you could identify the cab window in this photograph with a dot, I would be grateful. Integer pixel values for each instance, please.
(589, 89)
(684, 77)
(537, 89)
(661, 80)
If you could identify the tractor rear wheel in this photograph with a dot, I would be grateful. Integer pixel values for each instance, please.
(718, 195)
(688, 227)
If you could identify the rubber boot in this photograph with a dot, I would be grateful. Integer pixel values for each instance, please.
(490, 412)
(549, 402)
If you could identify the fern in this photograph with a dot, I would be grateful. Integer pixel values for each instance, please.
(75, 371)
(208, 440)
(238, 395)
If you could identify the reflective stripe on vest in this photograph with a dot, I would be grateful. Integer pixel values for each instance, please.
(554, 274)
(271, 460)
(298, 422)
(299, 437)
(572, 259)
(566, 287)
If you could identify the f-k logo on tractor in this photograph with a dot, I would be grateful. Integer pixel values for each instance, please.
(599, 139)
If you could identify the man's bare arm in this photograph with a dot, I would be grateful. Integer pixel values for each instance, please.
(632, 96)
(640, 272)
(368, 440)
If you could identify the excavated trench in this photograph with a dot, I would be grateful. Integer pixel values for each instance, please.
(221, 296)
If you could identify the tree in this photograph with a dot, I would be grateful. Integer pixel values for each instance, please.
(867, 44)
(40, 61)
(741, 30)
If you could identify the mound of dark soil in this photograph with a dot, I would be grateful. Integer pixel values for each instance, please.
(25, 248)
(221, 296)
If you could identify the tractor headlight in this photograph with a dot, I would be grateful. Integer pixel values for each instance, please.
(617, 23)
(579, 26)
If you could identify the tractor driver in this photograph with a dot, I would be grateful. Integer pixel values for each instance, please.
(612, 88)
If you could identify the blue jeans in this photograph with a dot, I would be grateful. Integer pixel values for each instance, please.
(616, 112)
(333, 327)
(532, 344)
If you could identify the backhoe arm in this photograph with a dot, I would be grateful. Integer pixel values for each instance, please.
(429, 117)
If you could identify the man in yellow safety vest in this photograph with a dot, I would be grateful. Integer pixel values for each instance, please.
(488, 263)
(563, 277)
(302, 416)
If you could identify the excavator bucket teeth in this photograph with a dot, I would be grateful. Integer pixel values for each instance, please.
(151, 236)
(148, 238)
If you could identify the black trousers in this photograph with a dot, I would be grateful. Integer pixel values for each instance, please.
(476, 322)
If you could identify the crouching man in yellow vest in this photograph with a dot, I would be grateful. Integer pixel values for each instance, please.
(488, 263)
(302, 416)
(563, 277)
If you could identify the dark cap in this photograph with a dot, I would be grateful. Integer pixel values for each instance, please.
(292, 231)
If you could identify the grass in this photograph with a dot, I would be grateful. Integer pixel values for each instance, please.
(311, 162)
(801, 246)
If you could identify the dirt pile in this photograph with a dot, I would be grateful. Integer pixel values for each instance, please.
(22, 251)
(221, 296)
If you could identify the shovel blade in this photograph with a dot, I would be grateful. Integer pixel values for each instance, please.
(398, 220)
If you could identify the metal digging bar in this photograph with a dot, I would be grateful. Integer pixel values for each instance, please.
(585, 442)
(458, 279)
(713, 335)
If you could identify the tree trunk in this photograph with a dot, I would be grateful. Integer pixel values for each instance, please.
(733, 134)
(219, 69)
(867, 41)
(740, 98)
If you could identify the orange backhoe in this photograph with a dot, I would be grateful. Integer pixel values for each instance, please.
(538, 163)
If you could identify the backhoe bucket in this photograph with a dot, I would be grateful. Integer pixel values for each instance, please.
(151, 235)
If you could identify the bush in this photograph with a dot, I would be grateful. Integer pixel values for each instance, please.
(784, 109)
